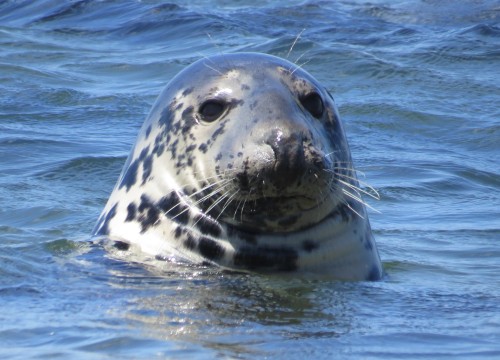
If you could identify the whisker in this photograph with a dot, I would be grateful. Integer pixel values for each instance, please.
(243, 208)
(217, 202)
(371, 192)
(354, 211)
(294, 42)
(237, 207)
(212, 41)
(352, 169)
(342, 200)
(359, 200)
(214, 69)
(228, 201)
(301, 56)
(300, 66)
(199, 201)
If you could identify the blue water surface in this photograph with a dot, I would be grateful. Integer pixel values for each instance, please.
(418, 88)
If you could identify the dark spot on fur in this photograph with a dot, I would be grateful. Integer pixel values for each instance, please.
(190, 242)
(158, 149)
(243, 181)
(147, 168)
(177, 232)
(148, 131)
(309, 245)
(149, 213)
(236, 103)
(173, 208)
(131, 212)
(203, 148)
(120, 245)
(187, 91)
(368, 242)
(188, 118)
(187, 190)
(219, 131)
(210, 249)
(245, 87)
(190, 148)
(207, 225)
(130, 177)
(266, 258)
(166, 116)
(173, 148)
(218, 157)
(144, 153)
(158, 139)
(374, 274)
(103, 222)
(343, 211)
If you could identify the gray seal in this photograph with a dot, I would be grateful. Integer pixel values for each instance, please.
(243, 163)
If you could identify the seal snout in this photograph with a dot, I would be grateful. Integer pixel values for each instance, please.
(290, 163)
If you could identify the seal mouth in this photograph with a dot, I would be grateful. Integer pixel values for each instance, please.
(271, 213)
(275, 214)
(280, 204)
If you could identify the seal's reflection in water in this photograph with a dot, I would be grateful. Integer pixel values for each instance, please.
(231, 311)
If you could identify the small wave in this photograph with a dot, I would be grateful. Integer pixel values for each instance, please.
(83, 167)
(483, 29)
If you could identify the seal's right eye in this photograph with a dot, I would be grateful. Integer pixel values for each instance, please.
(313, 103)
(211, 110)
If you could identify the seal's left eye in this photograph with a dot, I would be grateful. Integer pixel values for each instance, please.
(313, 103)
(211, 110)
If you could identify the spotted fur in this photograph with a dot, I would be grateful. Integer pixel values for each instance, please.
(243, 162)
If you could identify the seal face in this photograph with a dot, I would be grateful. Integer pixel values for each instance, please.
(243, 162)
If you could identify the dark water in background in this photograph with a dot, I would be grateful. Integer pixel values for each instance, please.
(418, 87)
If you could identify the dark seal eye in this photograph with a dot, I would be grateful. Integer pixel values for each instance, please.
(211, 110)
(313, 103)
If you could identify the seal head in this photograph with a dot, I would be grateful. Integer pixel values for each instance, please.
(243, 162)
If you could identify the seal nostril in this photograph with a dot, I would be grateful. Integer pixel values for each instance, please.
(290, 163)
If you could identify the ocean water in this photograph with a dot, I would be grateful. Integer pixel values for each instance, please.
(418, 89)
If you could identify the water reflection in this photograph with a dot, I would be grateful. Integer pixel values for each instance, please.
(235, 312)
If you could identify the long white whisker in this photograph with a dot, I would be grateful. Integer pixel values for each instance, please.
(219, 189)
(294, 42)
(359, 199)
(354, 211)
(301, 56)
(299, 66)
(371, 192)
(358, 172)
(228, 201)
(237, 207)
(214, 44)
(214, 192)
(243, 208)
(217, 202)
(214, 69)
